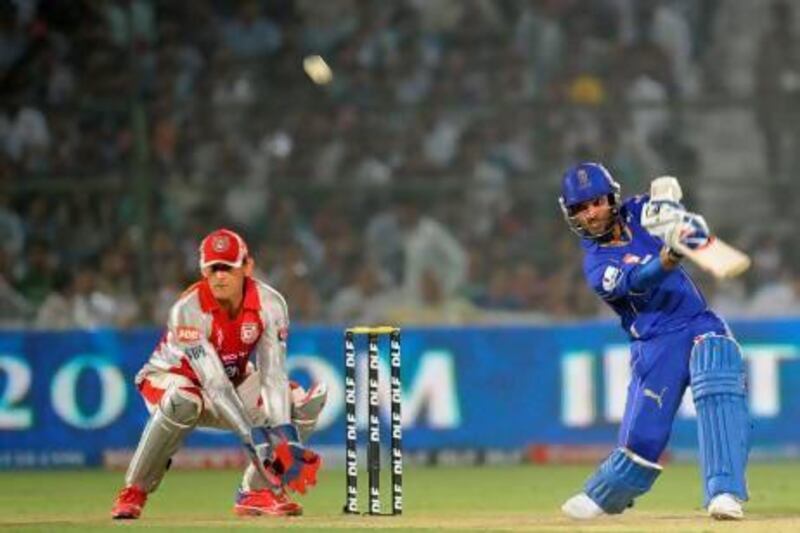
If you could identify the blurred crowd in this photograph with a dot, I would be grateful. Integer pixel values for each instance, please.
(418, 186)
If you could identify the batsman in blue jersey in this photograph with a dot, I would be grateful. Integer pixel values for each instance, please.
(676, 342)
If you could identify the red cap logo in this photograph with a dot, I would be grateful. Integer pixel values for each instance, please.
(223, 246)
(220, 243)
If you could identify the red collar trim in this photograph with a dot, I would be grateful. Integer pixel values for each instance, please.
(207, 301)
(251, 299)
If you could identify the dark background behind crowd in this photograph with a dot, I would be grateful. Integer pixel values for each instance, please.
(418, 186)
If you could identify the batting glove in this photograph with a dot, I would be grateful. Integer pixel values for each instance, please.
(691, 233)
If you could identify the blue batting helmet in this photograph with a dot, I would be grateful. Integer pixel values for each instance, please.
(585, 182)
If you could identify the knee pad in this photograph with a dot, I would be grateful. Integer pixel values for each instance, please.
(307, 406)
(622, 477)
(720, 396)
(177, 413)
(182, 408)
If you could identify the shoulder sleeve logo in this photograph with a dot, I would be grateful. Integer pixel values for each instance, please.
(187, 334)
(283, 333)
(611, 278)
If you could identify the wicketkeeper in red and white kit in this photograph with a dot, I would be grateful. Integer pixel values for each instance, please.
(200, 375)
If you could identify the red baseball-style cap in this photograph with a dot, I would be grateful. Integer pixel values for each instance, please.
(223, 246)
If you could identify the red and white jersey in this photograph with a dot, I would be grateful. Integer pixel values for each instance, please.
(212, 349)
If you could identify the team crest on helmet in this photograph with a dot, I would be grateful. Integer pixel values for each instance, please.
(220, 243)
(249, 332)
(583, 178)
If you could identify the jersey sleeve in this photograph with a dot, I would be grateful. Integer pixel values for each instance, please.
(188, 332)
(634, 205)
(611, 279)
(271, 360)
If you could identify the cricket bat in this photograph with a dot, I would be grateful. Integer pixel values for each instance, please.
(716, 257)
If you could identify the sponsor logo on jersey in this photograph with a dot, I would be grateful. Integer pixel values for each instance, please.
(611, 278)
(249, 332)
(631, 259)
(231, 361)
(195, 352)
(187, 334)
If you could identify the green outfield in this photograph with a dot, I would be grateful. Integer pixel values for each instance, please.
(509, 498)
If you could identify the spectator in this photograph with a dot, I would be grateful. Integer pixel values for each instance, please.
(250, 34)
(432, 306)
(38, 277)
(364, 299)
(56, 311)
(778, 297)
(470, 106)
(12, 231)
(15, 310)
(777, 74)
(92, 308)
(425, 245)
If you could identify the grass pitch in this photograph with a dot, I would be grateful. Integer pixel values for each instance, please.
(513, 498)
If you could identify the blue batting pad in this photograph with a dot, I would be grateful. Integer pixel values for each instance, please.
(720, 398)
(618, 480)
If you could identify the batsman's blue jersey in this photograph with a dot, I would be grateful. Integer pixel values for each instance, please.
(667, 307)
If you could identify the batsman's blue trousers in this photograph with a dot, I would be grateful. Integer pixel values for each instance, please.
(659, 377)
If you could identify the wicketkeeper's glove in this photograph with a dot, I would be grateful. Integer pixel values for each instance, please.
(286, 461)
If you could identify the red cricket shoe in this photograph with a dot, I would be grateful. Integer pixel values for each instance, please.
(265, 502)
(129, 503)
